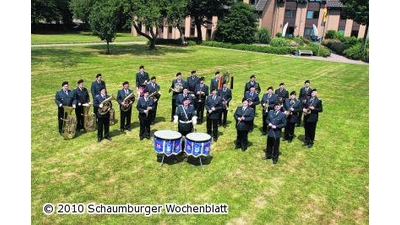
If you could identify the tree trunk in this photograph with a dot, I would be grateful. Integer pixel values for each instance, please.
(152, 40)
(366, 35)
(198, 23)
(181, 35)
(108, 47)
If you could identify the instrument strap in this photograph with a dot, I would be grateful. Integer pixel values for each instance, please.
(184, 111)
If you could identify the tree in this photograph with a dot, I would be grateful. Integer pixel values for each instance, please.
(201, 10)
(239, 25)
(176, 13)
(51, 11)
(103, 21)
(81, 9)
(358, 11)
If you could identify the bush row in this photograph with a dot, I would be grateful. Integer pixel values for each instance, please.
(253, 48)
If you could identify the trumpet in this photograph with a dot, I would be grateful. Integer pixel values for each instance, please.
(225, 104)
(266, 106)
(289, 112)
(308, 109)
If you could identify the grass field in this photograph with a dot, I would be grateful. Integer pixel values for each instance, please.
(327, 184)
(78, 37)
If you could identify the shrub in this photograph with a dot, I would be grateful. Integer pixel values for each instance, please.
(279, 42)
(357, 52)
(254, 48)
(323, 51)
(279, 34)
(299, 40)
(335, 45)
(263, 36)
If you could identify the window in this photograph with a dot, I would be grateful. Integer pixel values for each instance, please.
(308, 32)
(170, 29)
(341, 31)
(354, 33)
(290, 13)
(312, 14)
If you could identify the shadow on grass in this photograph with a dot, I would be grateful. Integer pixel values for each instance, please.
(196, 161)
(135, 49)
(169, 160)
(57, 55)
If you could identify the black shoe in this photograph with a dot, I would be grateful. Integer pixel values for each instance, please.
(122, 130)
(289, 141)
(147, 137)
(237, 147)
(284, 139)
(172, 120)
(129, 129)
(244, 149)
(274, 161)
(264, 133)
(297, 125)
(310, 145)
(109, 138)
(215, 139)
(98, 139)
(305, 144)
(224, 125)
(141, 138)
(266, 157)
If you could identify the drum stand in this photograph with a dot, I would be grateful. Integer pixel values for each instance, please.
(162, 161)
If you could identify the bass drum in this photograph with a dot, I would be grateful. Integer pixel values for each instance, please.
(198, 144)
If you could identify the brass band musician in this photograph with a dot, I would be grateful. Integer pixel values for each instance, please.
(64, 97)
(268, 101)
(81, 97)
(125, 99)
(292, 108)
(226, 95)
(103, 115)
(176, 87)
(154, 93)
(201, 92)
(142, 78)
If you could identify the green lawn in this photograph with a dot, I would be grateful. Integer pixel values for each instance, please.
(78, 37)
(328, 184)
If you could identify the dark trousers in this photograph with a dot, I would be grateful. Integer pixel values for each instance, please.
(212, 123)
(184, 129)
(289, 131)
(79, 117)
(299, 118)
(60, 119)
(173, 107)
(242, 138)
(154, 112)
(200, 111)
(103, 124)
(125, 122)
(222, 117)
(273, 147)
(144, 125)
(309, 132)
(264, 123)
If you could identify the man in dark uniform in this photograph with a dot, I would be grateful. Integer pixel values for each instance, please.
(244, 115)
(201, 91)
(81, 98)
(142, 78)
(276, 120)
(154, 90)
(292, 108)
(96, 87)
(103, 121)
(192, 81)
(176, 87)
(252, 83)
(183, 95)
(281, 92)
(253, 98)
(305, 92)
(226, 96)
(125, 107)
(214, 82)
(145, 108)
(311, 110)
(268, 101)
(213, 107)
(64, 97)
(186, 117)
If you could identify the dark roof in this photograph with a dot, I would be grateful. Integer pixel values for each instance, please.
(334, 4)
(260, 5)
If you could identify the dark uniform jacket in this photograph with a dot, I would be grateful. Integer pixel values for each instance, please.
(278, 119)
(121, 95)
(313, 116)
(96, 88)
(210, 102)
(225, 94)
(253, 97)
(179, 99)
(185, 115)
(152, 89)
(272, 100)
(175, 94)
(141, 78)
(142, 105)
(282, 93)
(248, 114)
(63, 98)
(214, 84)
(97, 101)
(304, 94)
(192, 82)
(80, 96)
(204, 89)
(297, 108)
(250, 84)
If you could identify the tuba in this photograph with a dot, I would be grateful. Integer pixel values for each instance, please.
(129, 100)
(154, 94)
(106, 105)
(69, 123)
(89, 120)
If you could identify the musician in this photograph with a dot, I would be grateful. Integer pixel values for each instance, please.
(213, 107)
(64, 97)
(252, 83)
(292, 108)
(226, 96)
(253, 98)
(176, 87)
(214, 85)
(103, 121)
(186, 116)
(81, 97)
(281, 92)
(154, 93)
(142, 78)
(192, 81)
(268, 101)
(96, 87)
(183, 95)
(145, 108)
(305, 92)
(201, 91)
(244, 115)
(311, 110)
(125, 106)
(276, 120)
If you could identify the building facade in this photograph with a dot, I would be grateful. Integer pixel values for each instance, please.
(302, 18)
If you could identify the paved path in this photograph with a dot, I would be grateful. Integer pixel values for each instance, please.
(333, 58)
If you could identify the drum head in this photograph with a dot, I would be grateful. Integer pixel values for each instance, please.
(167, 134)
(199, 137)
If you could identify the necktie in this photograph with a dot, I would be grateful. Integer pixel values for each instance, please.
(126, 92)
(269, 96)
(276, 113)
(152, 85)
(243, 109)
(66, 92)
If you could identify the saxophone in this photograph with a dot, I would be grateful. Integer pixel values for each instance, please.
(89, 120)
(69, 123)
(129, 100)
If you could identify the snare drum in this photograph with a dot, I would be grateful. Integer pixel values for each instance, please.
(198, 144)
(167, 142)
